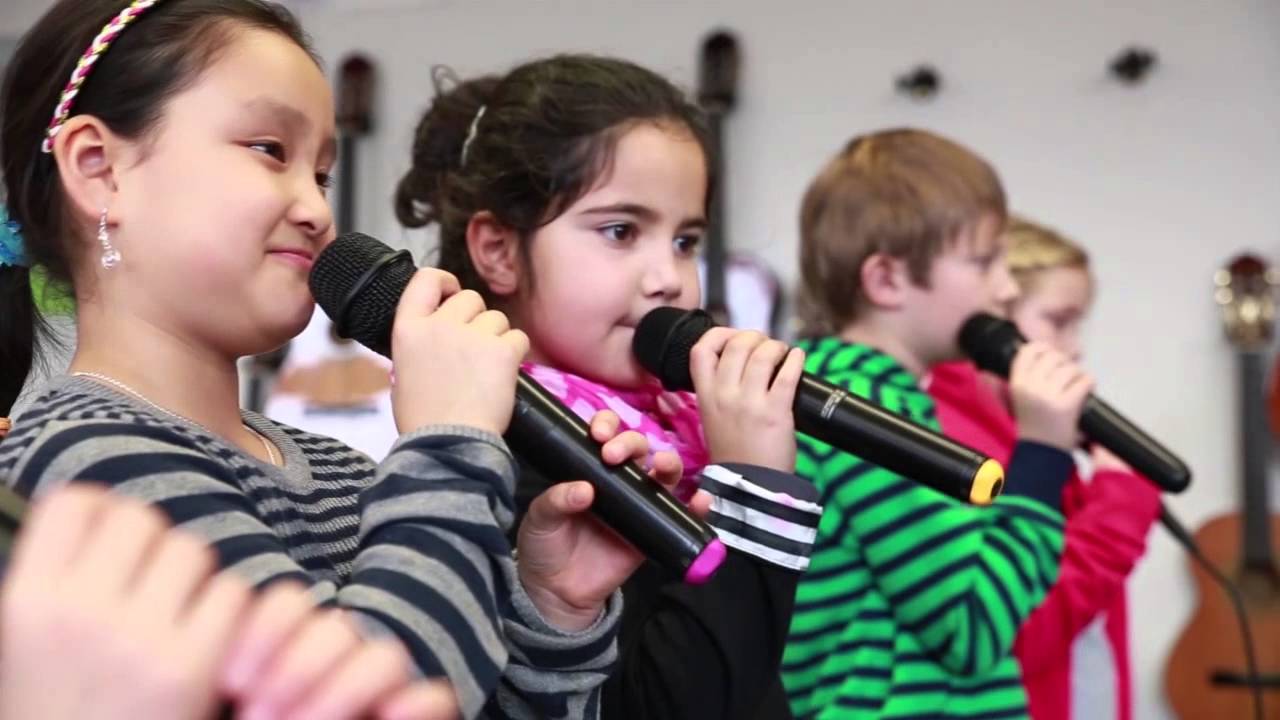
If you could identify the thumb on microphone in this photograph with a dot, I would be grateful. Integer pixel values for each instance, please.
(569, 563)
(551, 510)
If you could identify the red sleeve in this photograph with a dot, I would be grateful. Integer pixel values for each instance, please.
(1105, 536)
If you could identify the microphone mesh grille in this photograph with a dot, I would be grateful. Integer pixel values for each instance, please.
(990, 342)
(663, 341)
(366, 318)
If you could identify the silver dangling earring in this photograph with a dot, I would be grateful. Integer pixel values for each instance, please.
(110, 256)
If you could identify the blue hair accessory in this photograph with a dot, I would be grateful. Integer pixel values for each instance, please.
(12, 252)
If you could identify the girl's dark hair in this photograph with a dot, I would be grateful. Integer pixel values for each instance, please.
(548, 133)
(162, 53)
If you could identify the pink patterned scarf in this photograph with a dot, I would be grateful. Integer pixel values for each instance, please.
(669, 420)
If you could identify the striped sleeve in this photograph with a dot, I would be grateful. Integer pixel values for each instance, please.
(544, 672)
(552, 674)
(764, 513)
(433, 567)
(960, 579)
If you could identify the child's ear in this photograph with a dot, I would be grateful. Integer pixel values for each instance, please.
(87, 153)
(495, 253)
(884, 280)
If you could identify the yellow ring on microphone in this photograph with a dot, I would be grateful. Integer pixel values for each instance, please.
(987, 483)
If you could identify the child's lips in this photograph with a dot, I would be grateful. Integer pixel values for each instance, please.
(299, 258)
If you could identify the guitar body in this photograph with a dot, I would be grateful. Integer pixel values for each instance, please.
(1211, 640)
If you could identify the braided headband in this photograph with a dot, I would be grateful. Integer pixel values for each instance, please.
(99, 46)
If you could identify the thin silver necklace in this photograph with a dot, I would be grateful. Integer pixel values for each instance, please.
(266, 444)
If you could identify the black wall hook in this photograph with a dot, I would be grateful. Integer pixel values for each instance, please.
(921, 82)
(1133, 65)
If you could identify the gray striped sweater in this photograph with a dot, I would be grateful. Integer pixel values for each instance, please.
(415, 547)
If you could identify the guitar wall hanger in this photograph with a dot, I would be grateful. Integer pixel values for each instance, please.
(922, 82)
(1133, 65)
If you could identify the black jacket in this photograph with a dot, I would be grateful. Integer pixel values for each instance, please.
(712, 651)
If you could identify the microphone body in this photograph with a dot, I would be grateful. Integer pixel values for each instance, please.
(834, 416)
(992, 344)
(358, 282)
(842, 420)
(556, 442)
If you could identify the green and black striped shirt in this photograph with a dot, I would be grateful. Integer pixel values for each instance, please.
(912, 599)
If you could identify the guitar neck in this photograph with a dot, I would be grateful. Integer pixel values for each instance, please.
(345, 217)
(1256, 451)
(714, 251)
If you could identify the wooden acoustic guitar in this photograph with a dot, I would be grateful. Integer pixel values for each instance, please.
(356, 79)
(1206, 675)
(355, 93)
(738, 289)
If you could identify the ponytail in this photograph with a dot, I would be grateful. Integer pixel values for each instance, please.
(19, 326)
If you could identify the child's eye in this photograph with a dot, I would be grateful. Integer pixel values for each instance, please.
(271, 148)
(619, 232)
(688, 244)
(325, 180)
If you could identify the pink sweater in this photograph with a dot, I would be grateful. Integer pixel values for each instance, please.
(1107, 523)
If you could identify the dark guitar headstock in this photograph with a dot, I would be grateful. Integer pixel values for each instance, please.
(1246, 290)
(355, 95)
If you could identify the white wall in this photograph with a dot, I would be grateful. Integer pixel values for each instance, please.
(1161, 182)
(17, 15)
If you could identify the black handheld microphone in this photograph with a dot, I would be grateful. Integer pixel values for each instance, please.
(358, 282)
(992, 343)
(666, 335)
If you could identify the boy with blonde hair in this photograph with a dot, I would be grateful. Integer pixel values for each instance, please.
(912, 600)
